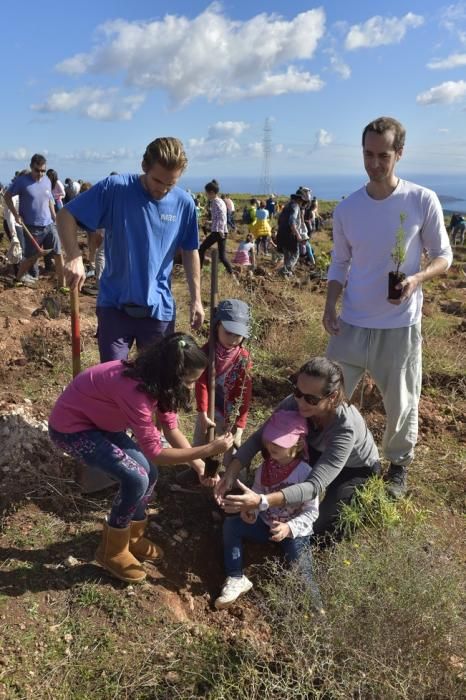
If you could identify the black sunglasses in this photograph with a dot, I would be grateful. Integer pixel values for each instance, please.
(309, 398)
(39, 170)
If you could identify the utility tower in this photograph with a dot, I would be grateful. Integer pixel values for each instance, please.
(266, 181)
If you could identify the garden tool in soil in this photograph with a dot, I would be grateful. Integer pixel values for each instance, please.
(39, 249)
(89, 480)
(212, 463)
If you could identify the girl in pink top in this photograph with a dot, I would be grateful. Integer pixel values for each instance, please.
(89, 422)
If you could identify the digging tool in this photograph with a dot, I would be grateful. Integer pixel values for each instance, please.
(89, 480)
(75, 332)
(212, 463)
(40, 250)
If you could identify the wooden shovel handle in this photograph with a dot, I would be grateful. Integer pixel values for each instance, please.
(75, 332)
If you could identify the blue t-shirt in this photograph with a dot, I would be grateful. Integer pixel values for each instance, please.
(34, 199)
(141, 238)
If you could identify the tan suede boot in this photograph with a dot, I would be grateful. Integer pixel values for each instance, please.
(140, 546)
(114, 555)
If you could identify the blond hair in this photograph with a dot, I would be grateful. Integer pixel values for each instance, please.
(168, 152)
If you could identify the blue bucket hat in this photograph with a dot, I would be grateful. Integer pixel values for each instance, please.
(234, 315)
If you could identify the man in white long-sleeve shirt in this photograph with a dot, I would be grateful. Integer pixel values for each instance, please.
(372, 332)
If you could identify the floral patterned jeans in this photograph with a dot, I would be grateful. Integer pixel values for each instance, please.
(119, 457)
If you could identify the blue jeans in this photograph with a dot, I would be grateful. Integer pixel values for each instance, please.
(119, 457)
(296, 551)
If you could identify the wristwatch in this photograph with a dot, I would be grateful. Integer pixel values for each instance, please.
(263, 503)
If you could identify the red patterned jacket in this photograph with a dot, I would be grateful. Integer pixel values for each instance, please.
(233, 386)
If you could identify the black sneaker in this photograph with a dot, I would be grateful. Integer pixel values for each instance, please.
(397, 480)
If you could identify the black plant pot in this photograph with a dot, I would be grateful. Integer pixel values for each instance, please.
(395, 278)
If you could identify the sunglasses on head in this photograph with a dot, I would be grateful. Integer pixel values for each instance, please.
(309, 398)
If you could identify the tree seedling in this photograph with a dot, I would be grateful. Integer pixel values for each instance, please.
(398, 255)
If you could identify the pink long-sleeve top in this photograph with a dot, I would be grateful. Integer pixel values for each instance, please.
(101, 398)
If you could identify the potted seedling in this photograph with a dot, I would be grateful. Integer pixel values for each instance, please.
(398, 255)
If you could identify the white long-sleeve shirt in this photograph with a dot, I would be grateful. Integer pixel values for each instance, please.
(364, 234)
(300, 517)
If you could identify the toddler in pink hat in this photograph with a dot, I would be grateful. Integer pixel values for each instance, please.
(289, 525)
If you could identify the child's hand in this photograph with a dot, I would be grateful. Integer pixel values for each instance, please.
(248, 516)
(238, 434)
(220, 444)
(209, 482)
(204, 421)
(279, 531)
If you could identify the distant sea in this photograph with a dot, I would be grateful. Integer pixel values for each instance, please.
(451, 189)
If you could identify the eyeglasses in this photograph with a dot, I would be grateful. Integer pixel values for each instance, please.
(309, 398)
(39, 170)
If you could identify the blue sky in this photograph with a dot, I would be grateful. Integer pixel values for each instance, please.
(91, 83)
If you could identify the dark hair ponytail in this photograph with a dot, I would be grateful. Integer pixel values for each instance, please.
(162, 367)
(331, 374)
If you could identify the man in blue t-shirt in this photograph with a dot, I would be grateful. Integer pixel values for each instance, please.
(146, 219)
(37, 213)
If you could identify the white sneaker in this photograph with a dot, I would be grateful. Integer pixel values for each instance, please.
(231, 591)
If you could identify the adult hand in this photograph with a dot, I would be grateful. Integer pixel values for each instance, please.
(408, 287)
(279, 531)
(75, 275)
(197, 314)
(248, 500)
(220, 444)
(331, 321)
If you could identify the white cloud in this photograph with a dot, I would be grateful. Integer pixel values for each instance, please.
(21, 155)
(292, 81)
(380, 31)
(95, 103)
(90, 155)
(446, 93)
(453, 61)
(338, 66)
(323, 138)
(204, 149)
(220, 129)
(443, 131)
(453, 18)
(209, 56)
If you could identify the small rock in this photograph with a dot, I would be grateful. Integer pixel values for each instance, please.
(71, 561)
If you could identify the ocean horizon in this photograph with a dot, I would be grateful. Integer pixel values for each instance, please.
(451, 189)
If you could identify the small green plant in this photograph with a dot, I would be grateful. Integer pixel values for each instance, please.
(372, 509)
(398, 253)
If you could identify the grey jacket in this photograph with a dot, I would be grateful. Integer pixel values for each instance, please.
(347, 442)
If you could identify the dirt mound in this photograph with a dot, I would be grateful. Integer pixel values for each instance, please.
(29, 463)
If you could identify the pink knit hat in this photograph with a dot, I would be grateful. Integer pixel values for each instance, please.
(284, 428)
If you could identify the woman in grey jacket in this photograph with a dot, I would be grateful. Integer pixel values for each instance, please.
(341, 448)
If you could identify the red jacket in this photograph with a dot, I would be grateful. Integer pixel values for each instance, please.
(237, 387)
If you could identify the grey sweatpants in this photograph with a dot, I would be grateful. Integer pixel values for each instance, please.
(393, 357)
